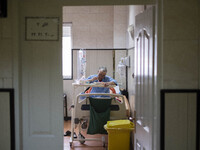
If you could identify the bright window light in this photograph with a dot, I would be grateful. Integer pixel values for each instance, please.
(66, 51)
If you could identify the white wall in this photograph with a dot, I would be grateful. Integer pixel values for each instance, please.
(92, 25)
(133, 11)
(6, 50)
(181, 44)
(120, 26)
(120, 38)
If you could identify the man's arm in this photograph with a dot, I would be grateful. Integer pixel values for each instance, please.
(92, 78)
(109, 83)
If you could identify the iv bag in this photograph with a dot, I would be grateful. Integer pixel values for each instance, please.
(81, 64)
(121, 68)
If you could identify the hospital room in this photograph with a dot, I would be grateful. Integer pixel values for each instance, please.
(90, 74)
(96, 37)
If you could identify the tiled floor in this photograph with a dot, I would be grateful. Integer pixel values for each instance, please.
(88, 145)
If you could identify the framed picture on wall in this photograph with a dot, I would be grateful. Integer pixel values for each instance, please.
(41, 28)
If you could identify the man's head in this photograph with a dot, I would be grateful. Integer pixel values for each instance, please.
(102, 73)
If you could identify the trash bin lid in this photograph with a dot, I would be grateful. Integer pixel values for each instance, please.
(120, 124)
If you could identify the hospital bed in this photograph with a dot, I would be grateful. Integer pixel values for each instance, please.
(119, 109)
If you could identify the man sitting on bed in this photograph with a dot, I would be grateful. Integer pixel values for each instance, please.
(104, 79)
(99, 109)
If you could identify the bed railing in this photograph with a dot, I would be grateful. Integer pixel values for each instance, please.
(100, 94)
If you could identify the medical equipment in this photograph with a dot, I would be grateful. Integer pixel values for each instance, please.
(81, 64)
(80, 114)
(121, 67)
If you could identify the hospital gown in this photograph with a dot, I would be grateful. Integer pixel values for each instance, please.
(101, 89)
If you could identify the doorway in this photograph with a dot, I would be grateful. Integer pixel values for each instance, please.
(101, 27)
(42, 83)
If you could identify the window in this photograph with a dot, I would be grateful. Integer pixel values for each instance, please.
(67, 51)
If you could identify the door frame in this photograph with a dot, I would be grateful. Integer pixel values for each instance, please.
(11, 118)
(162, 111)
(17, 72)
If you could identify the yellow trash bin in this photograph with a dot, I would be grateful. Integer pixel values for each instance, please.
(119, 134)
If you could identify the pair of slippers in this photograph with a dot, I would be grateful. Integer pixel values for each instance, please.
(68, 133)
